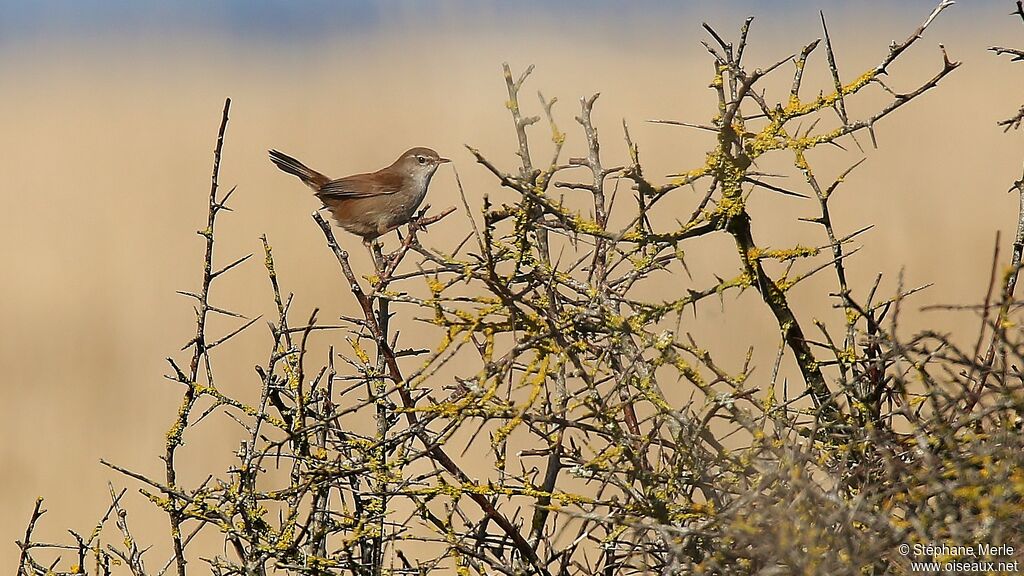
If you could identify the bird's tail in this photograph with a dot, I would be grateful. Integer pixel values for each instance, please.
(286, 163)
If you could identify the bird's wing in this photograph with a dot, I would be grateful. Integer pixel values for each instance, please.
(362, 186)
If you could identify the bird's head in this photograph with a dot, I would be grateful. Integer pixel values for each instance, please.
(419, 163)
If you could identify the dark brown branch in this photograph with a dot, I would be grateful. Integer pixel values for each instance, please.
(435, 452)
(200, 349)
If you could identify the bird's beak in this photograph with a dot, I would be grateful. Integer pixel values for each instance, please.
(443, 160)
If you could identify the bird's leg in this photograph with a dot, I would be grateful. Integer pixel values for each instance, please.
(376, 254)
(421, 214)
(401, 240)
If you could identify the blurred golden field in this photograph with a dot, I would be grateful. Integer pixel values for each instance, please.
(106, 148)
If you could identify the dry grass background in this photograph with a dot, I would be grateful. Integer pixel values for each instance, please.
(106, 146)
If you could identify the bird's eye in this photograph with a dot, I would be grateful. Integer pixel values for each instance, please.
(421, 159)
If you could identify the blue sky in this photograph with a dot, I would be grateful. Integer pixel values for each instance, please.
(313, 19)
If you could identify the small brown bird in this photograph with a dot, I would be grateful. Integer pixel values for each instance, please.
(373, 204)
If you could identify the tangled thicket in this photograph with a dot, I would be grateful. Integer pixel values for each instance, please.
(555, 368)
